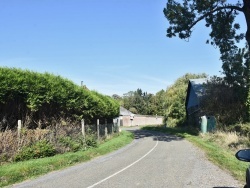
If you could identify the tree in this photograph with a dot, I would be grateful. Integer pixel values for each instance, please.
(217, 14)
(139, 102)
(223, 101)
(134, 100)
(220, 16)
(118, 99)
(235, 67)
(158, 103)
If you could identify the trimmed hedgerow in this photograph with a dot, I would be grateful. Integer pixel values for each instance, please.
(41, 98)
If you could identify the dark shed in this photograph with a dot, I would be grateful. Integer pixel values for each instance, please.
(195, 92)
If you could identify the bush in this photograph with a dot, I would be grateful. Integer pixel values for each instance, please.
(72, 145)
(91, 141)
(39, 149)
(242, 129)
(75, 144)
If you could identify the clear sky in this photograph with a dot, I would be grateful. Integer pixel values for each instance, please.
(113, 46)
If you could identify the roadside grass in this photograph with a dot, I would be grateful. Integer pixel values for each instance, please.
(20, 171)
(215, 152)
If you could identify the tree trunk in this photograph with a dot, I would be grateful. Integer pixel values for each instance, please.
(246, 10)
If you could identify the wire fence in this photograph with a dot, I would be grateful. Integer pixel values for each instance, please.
(64, 137)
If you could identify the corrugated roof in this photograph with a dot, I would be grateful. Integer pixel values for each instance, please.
(197, 85)
(198, 81)
(195, 91)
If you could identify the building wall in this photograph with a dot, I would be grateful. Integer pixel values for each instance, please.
(193, 99)
(194, 119)
(141, 120)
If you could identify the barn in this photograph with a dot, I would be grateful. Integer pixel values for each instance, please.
(195, 93)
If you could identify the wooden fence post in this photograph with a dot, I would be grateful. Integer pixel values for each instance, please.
(106, 128)
(83, 129)
(98, 129)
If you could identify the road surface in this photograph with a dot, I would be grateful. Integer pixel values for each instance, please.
(153, 160)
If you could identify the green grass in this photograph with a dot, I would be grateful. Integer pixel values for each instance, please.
(20, 171)
(222, 157)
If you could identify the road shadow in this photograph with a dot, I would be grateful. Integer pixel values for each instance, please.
(156, 136)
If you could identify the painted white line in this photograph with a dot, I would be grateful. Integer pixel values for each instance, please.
(125, 167)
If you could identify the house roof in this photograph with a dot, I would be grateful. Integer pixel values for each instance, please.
(125, 112)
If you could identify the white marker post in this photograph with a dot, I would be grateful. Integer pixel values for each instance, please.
(98, 129)
(83, 129)
(19, 127)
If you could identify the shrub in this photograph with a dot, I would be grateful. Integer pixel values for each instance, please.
(242, 129)
(72, 145)
(39, 149)
(91, 141)
(8, 145)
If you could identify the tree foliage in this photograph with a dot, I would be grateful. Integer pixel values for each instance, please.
(224, 101)
(235, 68)
(219, 15)
(226, 97)
(139, 102)
(37, 99)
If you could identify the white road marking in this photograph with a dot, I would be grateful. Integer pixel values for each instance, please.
(125, 167)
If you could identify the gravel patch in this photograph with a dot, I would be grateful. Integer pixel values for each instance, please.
(205, 174)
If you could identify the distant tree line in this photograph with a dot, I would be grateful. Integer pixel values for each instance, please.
(139, 102)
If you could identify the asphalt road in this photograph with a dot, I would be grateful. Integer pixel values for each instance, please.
(152, 160)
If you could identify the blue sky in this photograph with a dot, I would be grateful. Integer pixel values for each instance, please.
(113, 46)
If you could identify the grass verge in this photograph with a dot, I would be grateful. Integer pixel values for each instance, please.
(220, 156)
(20, 171)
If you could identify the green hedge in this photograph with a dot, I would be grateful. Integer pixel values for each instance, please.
(43, 97)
